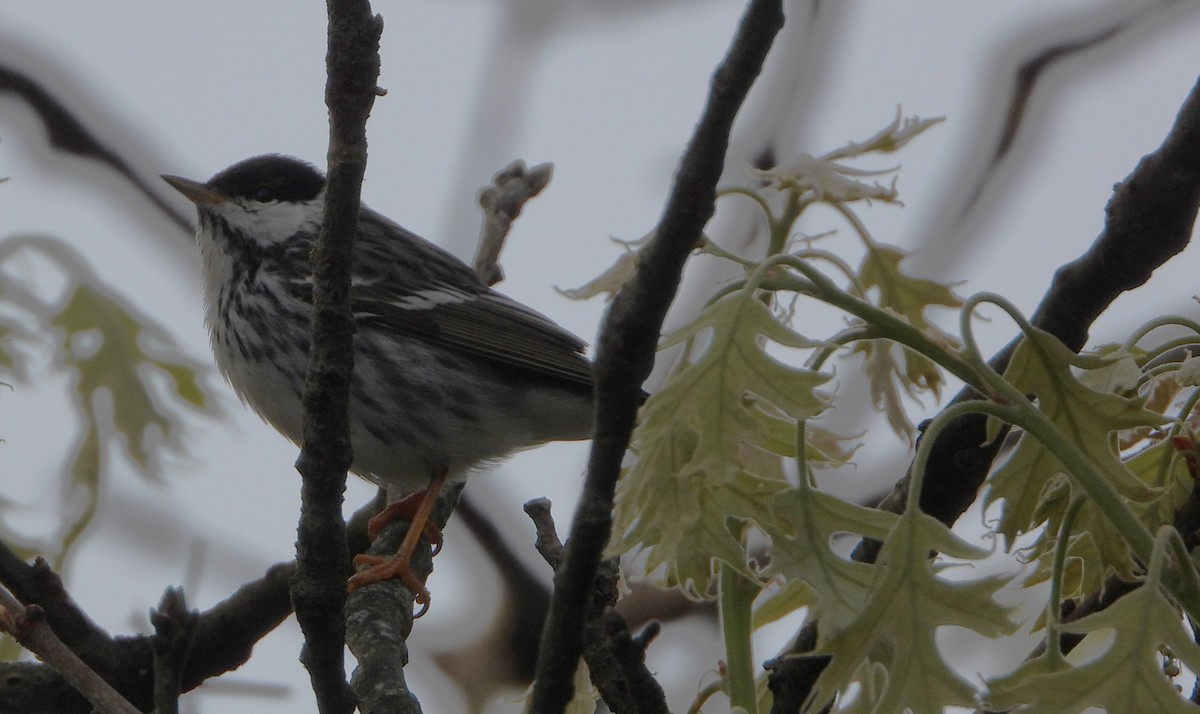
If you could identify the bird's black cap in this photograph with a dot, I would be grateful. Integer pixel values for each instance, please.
(271, 177)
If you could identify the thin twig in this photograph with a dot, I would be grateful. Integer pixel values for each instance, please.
(547, 542)
(27, 625)
(67, 133)
(616, 660)
(515, 634)
(502, 202)
(626, 349)
(38, 584)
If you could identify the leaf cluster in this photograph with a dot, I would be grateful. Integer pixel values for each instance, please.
(722, 475)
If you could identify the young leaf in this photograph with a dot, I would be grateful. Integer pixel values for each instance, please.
(1042, 366)
(102, 346)
(1127, 677)
(683, 525)
(708, 443)
(803, 552)
(906, 605)
(1096, 545)
(825, 179)
(902, 293)
(891, 368)
(115, 363)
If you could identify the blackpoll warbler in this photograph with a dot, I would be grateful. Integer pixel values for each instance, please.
(447, 372)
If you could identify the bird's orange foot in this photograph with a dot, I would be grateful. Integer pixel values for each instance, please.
(416, 508)
(405, 509)
(380, 568)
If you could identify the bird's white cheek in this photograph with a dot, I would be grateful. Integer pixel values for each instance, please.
(279, 221)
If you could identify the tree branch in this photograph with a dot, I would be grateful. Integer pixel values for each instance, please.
(38, 585)
(322, 556)
(616, 660)
(67, 133)
(27, 625)
(626, 349)
(379, 619)
(174, 630)
(502, 202)
(222, 640)
(1149, 220)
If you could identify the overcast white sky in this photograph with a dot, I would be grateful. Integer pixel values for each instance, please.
(609, 92)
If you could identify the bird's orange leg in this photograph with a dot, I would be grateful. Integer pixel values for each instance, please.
(379, 568)
(406, 508)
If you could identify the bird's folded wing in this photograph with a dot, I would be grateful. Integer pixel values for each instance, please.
(485, 324)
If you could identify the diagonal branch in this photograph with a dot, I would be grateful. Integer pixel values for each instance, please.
(626, 349)
(1150, 219)
(223, 638)
(67, 133)
(29, 627)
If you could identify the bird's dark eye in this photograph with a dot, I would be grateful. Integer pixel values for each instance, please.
(264, 195)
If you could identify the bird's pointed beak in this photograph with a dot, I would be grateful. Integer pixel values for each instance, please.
(196, 192)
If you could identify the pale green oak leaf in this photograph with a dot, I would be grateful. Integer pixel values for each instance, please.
(114, 362)
(1042, 366)
(907, 603)
(1161, 467)
(683, 525)
(803, 551)
(900, 292)
(892, 368)
(723, 392)
(1126, 677)
(709, 442)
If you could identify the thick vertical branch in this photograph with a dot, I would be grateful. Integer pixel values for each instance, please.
(322, 556)
(625, 353)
